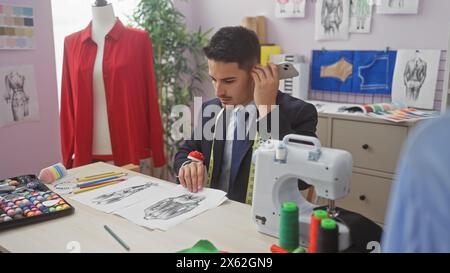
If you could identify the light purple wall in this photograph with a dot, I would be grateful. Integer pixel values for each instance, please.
(185, 7)
(428, 30)
(27, 148)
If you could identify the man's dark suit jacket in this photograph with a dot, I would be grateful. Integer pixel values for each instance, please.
(296, 117)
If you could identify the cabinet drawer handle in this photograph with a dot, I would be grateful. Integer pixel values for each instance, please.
(362, 197)
(365, 146)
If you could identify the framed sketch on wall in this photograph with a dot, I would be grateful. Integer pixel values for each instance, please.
(18, 100)
(360, 16)
(415, 77)
(397, 6)
(290, 8)
(332, 19)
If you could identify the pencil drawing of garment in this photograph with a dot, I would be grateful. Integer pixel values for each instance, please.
(414, 77)
(362, 10)
(297, 4)
(172, 207)
(15, 94)
(400, 3)
(332, 15)
(282, 4)
(116, 196)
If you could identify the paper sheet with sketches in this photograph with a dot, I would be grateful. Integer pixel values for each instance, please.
(121, 195)
(415, 77)
(164, 211)
(19, 102)
(360, 16)
(149, 203)
(332, 19)
(397, 6)
(290, 8)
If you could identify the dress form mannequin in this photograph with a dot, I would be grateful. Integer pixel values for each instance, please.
(109, 46)
(103, 20)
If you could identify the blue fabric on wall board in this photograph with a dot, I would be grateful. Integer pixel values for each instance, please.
(373, 71)
(327, 58)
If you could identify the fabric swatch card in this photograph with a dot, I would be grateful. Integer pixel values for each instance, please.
(366, 72)
(16, 27)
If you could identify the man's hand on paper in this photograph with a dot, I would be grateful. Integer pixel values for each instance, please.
(193, 176)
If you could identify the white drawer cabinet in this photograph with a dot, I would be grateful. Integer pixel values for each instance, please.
(376, 146)
(368, 196)
(373, 146)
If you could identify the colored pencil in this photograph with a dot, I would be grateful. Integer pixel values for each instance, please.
(95, 187)
(101, 183)
(98, 176)
(100, 180)
(116, 237)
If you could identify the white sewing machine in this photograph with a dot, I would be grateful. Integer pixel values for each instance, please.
(279, 165)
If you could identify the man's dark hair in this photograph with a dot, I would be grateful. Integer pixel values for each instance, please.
(234, 45)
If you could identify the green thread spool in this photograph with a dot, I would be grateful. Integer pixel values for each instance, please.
(322, 214)
(328, 224)
(289, 227)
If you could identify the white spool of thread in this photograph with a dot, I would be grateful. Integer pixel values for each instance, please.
(281, 152)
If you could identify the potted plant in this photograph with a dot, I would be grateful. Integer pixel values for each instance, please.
(179, 62)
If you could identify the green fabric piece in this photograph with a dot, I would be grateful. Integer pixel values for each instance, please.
(299, 250)
(202, 246)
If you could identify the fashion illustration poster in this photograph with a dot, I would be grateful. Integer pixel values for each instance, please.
(397, 6)
(18, 97)
(332, 19)
(415, 77)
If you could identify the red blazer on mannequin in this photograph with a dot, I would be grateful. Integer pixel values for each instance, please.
(131, 97)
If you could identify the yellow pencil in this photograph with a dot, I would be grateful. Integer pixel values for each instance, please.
(95, 187)
(100, 176)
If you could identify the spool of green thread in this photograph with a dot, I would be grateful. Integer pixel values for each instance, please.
(328, 224)
(289, 228)
(322, 214)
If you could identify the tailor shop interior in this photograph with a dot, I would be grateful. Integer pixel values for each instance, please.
(319, 125)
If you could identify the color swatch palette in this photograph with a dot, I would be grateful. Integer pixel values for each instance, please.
(16, 27)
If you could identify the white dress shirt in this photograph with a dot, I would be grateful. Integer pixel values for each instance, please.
(224, 178)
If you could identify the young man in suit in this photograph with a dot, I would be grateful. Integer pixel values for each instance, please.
(233, 59)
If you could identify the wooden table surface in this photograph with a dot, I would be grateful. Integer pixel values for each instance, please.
(229, 227)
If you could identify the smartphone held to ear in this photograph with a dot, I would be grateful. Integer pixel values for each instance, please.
(287, 71)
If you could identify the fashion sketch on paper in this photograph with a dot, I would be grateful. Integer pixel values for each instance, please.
(172, 207)
(16, 96)
(282, 4)
(414, 76)
(396, 3)
(332, 16)
(119, 195)
(361, 11)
